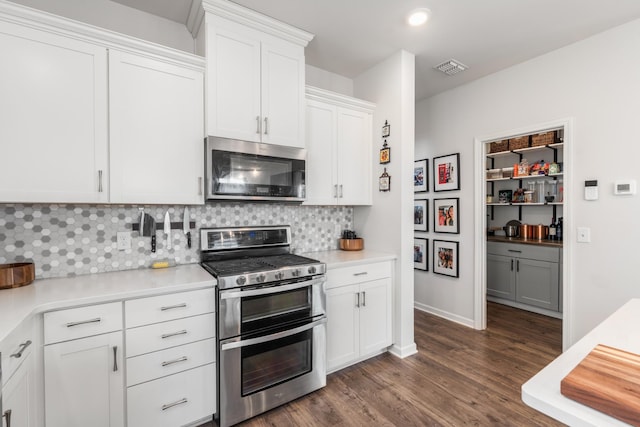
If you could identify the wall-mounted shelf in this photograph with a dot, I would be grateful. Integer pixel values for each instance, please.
(517, 178)
(525, 204)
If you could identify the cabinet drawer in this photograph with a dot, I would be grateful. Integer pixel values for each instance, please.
(82, 322)
(146, 339)
(358, 274)
(158, 364)
(542, 253)
(175, 400)
(146, 311)
(19, 343)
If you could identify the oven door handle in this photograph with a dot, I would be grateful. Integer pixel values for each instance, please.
(278, 335)
(272, 290)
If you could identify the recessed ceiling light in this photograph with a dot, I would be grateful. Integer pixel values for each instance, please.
(418, 17)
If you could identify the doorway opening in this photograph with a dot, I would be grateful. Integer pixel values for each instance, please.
(522, 205)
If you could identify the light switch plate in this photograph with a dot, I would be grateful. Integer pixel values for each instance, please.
(584, 234)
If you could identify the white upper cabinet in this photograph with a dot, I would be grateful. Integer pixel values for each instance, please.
(156, 124)
(53, 118)
(78, 128)
(255, 76)
(339, 149)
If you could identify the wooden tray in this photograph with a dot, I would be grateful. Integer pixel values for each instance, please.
(607, 380)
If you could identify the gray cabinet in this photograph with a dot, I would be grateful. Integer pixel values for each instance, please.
(525, 274)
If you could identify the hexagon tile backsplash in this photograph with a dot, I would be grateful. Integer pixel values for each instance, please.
(70, 240)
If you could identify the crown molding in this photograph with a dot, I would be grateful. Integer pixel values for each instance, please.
(44, 21)
(251, 18)
(317, 94)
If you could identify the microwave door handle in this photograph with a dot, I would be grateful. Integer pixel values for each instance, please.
(273, 290)
(272, 337)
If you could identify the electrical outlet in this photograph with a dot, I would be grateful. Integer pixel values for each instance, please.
(584, 234)
(123, 240)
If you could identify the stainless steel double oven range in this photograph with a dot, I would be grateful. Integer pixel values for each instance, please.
(271, 319)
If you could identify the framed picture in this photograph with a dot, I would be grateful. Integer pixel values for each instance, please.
(384, 182)
(385, 155)
(445, 215)
(445, 258)
(421, 175)
(446, 172)
(421, 254)
(386, 130)
(420, 214)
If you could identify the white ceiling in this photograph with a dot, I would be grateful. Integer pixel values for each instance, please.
(487, 36)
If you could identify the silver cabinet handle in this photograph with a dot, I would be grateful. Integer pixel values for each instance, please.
(171, 307)
(84, 322)
(511, 265)
(23, 347)
(266, 125)
(7, 417)
(360, 274)
(199, 186)
(358, 299)
(171, 405)
(513, 250)
(518, 266)
(115, 358)
(171, 362)
(364, 299)
(173, 334)
(335, 190)
(258, 124)
(340, 190)
(100, 181)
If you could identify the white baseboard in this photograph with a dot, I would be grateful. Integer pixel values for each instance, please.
(444, 314)
(402, 352)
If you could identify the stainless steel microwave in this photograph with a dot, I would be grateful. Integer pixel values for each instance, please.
(243, 170)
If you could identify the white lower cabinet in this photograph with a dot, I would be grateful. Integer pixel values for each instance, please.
(358, 313)
(171, 371)
(83, 381)
(18, 397)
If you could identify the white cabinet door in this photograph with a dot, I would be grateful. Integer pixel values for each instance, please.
(156, 131)
(233, 84)
(18, 396)
(255, 85)
(338, 150)
(322, 169)
(354, 157)
(375, 316)
(283, 94)
(53, 136)
(343, 343)
(84, 382)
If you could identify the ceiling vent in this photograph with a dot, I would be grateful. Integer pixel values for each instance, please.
(451, 67)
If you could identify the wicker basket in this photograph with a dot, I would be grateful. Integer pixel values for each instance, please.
(542, 139)
(518, 143)
(499, 146)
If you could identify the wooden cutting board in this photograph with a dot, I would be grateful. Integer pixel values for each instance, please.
(608, 380)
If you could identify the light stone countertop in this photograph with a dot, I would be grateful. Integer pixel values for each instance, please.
(42, 295)
(542, 392)
(338, 258)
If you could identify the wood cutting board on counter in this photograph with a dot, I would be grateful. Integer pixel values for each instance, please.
(607, 380)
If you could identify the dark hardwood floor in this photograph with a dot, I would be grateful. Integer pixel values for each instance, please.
(459, 377)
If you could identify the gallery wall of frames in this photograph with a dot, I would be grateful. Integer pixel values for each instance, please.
(438, 215)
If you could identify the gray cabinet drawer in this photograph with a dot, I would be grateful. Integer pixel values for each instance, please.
(541, 253)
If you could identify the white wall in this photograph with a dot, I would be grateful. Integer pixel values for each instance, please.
(387, 225)
(122, 19)
(595, 82)
(329, 81)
